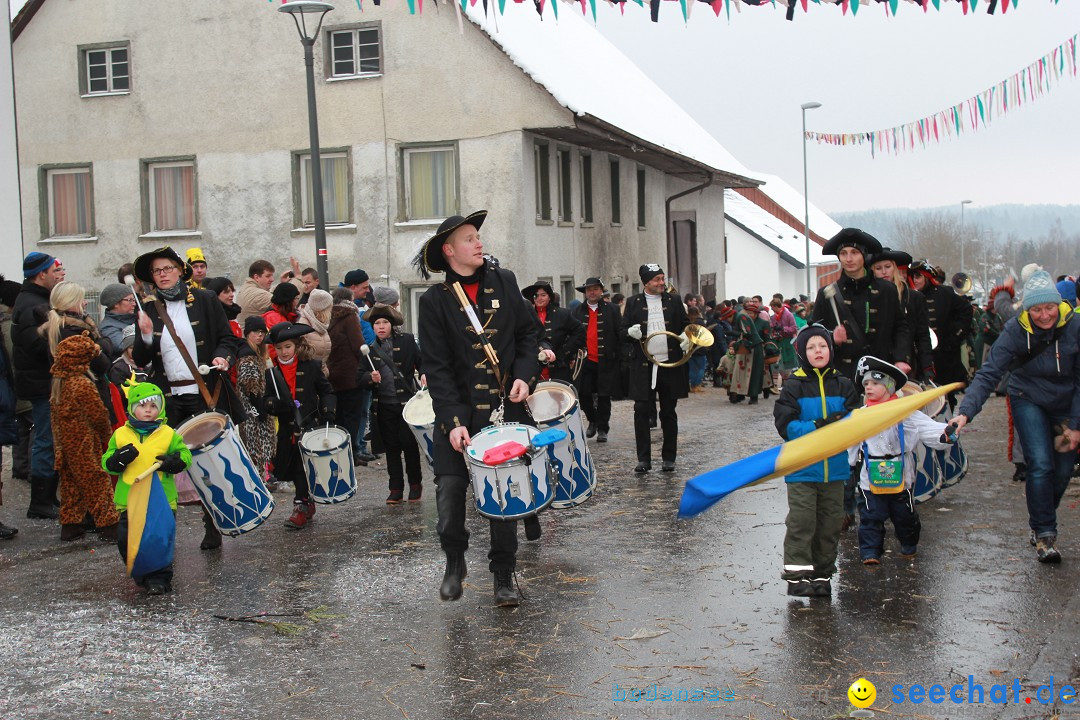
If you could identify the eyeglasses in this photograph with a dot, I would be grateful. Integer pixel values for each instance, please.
(164, 270)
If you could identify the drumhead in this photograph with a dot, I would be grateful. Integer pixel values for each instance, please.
(201, 429)
(496, 435)
(419, 410)
(325, 438)
(550, 402)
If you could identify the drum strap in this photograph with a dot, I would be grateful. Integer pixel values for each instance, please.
(210, 400)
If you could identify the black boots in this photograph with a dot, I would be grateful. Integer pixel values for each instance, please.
(7, 532)
(533, 531)
(455, 573)
(211, 537)
(43, 499)
(71, 532)
(505, 594)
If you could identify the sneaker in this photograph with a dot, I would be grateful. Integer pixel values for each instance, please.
(1045, 551)
(394, 498)
(871, 561)
(415, 492)
(299, 518)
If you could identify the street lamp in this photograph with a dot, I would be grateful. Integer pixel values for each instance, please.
(300, 9)
(962, 204)
(806, 194)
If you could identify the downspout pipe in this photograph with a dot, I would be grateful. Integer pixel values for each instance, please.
(669, 231)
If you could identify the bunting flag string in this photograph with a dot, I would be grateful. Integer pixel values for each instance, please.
(968, 116)
(686, 6)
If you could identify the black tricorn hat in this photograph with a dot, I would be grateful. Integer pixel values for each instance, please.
(429, 258)
(142, 264)
(852, 237)
(899, 257)
(870, 365)
(530, 292)
(591, 281)
(384, 312)
(288, 331)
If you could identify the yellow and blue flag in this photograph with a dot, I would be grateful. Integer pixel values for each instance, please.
(707, 489)
(151, 527)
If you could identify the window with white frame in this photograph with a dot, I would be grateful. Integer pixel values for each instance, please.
(430, 182)
(355, 52)
(68, 201)
(562, 159)
(170, 194)
(105, 70)
(335, 188)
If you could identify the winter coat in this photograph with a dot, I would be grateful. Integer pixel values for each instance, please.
(407, 361)
(919, 429)
(319, 341)
(112, 329)
(30, 356)
(950, 317)
(675, 321)
(808, 395)
(80, 422)
(1051, 380)
(875, 306)
(252, 299)
(922, 349)
(313, 392)
(346, 339)
(564, 335)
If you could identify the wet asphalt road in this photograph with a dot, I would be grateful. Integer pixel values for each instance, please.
(620, 596)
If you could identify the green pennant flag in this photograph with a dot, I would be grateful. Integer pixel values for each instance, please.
(893, 4)
(854, 8)
(592, 4)
(412, 7)
(682, 4)
(937, 4)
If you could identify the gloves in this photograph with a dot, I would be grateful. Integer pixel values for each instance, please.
(172, 463)
(684, 343)
(929, 373)
(830, 418)
(634, 331)
(328, 418)
(121, 458)
(283, 406)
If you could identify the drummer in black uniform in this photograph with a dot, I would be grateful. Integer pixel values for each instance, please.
(562, 336)
(598, 379)
(466, 389)
(950, 318)
(891, 265)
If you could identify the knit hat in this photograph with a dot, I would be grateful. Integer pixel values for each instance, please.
(284, 294)
(1027, 270)
(127, 339)
(36, 263)
(320, 300)
(254, 323)
(113, 294)
(195, 255)
(354, 277)
(810, 331)
(648, 271)
(1040, 288)
(385, 295)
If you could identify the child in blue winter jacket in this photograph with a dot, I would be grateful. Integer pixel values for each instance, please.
(815, 395)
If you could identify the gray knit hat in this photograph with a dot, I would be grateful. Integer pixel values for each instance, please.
(1040, 288)
(113, 294)
(385, 295)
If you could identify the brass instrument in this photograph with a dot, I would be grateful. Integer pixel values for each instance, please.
(698, 336)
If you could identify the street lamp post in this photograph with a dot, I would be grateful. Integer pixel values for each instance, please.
(806, 194)
(300, 9)
(962, 204)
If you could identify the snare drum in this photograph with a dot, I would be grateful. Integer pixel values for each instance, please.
(420, 417)
(934, 408)
(555, 405)
(328, 464)
(230, 487)
(937, 469)
(516, 488)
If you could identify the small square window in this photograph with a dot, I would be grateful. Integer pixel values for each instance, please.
(355, 52)
(104, 70)
(335, 189)
(430, 175)
(68, 201)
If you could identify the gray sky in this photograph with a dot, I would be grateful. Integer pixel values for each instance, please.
(744, 82)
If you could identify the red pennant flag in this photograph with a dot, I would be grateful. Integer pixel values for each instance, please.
(965, 4)
(844, 6)
(717, 6)
(804, 5)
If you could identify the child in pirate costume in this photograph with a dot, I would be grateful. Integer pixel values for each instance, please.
(299, 394)
(887, 469)
(147, 502)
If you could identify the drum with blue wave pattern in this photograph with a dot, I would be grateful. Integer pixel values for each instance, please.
(229, 485)
(555, 404)
(328, 464)
(937, 469)
(420, 417)
(516, 488)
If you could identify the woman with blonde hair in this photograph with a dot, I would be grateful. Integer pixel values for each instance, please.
(891, 265)
(68, 318)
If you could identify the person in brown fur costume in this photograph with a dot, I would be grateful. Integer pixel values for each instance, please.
(81, 431)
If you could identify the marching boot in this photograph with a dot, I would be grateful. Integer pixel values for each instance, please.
(455, 573)
(505, 594)
(211, 536)
(7, 532)
(533, 531)
(108, 533)
(42, 494)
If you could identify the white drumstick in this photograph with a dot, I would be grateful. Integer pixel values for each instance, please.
(366, 352)
(129, 280)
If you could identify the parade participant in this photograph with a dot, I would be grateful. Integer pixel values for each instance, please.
(358, 282)
(196, 333)
(783, 334)
(301, 397)
(886, 465)
(599, 376)
(873, 321)
(30, 358)
(651, 311)
(145, 516)
(561, 338)
(257, 430)
(119, 303)
(949, 315)
(815, 395)
(467, 389)
(346, 354)
(395, 383)
(197, 262)
(748, 371)
(81, 427)
(226, 295)
(891, 266)
(1040, 348)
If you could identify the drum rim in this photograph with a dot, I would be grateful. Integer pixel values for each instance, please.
(347, 438)
(561, 416)
(201, 417)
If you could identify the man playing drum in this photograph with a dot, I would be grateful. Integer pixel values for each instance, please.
(466, 386)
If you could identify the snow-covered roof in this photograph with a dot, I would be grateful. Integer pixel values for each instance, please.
(589, 76)
(791, 200)
(786, 240)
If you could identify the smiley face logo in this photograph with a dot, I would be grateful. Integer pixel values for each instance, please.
(862, 693)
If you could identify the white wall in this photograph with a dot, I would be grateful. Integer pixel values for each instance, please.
(753, 268)
(11, 252)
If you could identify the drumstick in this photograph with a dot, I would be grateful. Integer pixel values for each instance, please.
(147, 473)
(366, 352)
(830, 292)
(129, 280)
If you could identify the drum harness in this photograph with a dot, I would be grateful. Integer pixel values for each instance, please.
(210, 400)
(489, 350)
